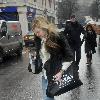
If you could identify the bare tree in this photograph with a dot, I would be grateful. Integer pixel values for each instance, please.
(94, 9)
(66, 8)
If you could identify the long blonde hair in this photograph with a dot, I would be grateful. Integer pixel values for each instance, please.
(50, 29)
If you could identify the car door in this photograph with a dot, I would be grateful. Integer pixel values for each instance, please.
(4, 42)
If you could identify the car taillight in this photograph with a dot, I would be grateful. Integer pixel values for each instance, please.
(31, 37)
(26, 37)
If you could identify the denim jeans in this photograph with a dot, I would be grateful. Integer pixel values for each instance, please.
(44, 87)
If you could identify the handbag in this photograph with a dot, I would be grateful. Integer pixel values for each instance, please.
(35, 65)
(70, 80)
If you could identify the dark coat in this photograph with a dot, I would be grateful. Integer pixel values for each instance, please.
(57, 56)
(37, 44)
(90, 41)
(73, 31)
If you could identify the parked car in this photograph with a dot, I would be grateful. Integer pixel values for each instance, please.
(10, 38)
(29, 39)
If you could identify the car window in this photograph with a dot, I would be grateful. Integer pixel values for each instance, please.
(3, 29)
(14, 28)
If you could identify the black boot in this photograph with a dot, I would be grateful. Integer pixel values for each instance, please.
(48, 94)
(88, 60)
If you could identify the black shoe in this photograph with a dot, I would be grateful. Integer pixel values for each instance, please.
(49, 95)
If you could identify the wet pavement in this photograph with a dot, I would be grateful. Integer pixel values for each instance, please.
(16, 83)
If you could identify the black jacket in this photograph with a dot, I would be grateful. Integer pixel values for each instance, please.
(58, 55)
(90, 41)
(37, 44)
(73, 31)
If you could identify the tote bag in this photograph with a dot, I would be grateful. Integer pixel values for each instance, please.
(70, 80)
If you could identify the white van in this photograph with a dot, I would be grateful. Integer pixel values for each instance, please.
(10, 38)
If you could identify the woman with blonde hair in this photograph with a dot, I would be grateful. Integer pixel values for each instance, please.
(56, 53)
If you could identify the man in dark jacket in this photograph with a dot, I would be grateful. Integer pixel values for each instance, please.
(73, 31)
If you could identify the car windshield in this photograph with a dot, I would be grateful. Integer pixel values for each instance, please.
(14, 28)
(30, 33)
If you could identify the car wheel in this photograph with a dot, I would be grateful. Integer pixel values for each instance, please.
(19, 52)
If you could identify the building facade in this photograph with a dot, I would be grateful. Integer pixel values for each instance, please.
(26, 10)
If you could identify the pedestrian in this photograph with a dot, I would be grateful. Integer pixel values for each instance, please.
(55, 50)
(90, 43)
(37, 44)
(73, 30)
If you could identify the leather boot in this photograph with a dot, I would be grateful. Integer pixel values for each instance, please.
(88, 60)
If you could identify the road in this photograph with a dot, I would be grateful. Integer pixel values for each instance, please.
(16, 83)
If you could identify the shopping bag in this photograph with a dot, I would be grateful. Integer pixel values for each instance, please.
(67, 83)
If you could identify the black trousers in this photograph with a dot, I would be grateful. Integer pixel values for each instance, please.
(89, 55)
(77, 56)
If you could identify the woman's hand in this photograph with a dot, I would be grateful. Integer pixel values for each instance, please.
(58, 76)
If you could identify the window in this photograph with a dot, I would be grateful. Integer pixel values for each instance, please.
(3, 30)
(3, 1)
(9, 16)
(50, 1)
(42, 2)
(45, 3)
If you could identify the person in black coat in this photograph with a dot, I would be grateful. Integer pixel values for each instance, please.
(56, 53)
(90, 42)
(72, 32)
(37, 44)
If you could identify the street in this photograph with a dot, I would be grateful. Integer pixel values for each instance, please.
(25, 23)
(16, 83)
